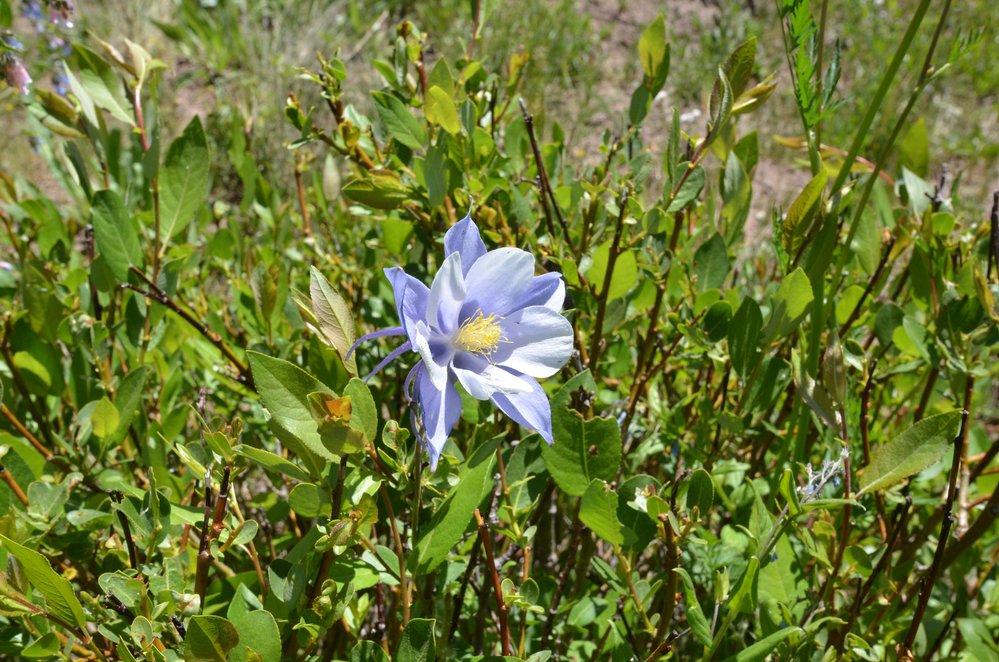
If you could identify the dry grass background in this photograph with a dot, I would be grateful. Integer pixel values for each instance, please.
(583, 68)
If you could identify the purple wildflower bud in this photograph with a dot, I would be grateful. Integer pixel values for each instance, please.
(15, 74)
(61, 13)
(487, 323)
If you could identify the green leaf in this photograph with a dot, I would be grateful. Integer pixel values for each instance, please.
(762, 648)
(114, 234)
(796, 224)
(453, 515)
(583, 449)
(336, 323)
(381, 191)
(308, 500)
(127, 399)
(739, 66)
(790, 303)
(368, 651)
(46, 500)
(625, 271)
(247, 532)
(690, 189)
(701, 491)
(284, 389)
(695, 615)
(400, 123)
(435, 174)
(711, 263)
(258, 636)
(364, 412)
(915, 149)
(104, 418)
(781, 582)
(440, 110)
(271, 461)
(126, 589)
(866, 244)
(745, 598)
(719, 106)
(716, 320)
(60, 598)
(103, 84)
(744, 336)
(417, 643)
(46, 646)
(184, 181)
(598, 511)
(917, 448)
(209, 639)
(980, 640)
(653, 50)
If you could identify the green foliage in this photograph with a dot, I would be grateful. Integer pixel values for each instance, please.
(750, 455)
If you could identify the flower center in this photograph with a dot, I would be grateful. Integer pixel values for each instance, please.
(480, 334)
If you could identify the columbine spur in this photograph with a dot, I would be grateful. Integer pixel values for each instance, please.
(486, 322)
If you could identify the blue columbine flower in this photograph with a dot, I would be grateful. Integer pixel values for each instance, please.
(486, 322)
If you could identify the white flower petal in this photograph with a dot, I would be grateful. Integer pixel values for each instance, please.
(532, 409)
(546, 290)
(481, 384)
(498, 281)
(436, 370)
(463, 238)
(440, 409)
(447, 293)
(410, 298)
(539, 343)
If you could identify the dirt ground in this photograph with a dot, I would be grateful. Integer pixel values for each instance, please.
(776, 180)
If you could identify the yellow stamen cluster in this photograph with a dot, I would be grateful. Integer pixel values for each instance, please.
(480, 334)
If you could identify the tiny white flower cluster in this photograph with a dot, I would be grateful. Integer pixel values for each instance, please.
(819, 479)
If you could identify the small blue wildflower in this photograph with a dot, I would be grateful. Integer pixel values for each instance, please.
(488, 323)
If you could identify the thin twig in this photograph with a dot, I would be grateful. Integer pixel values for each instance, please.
(994, 235)
(12, 484)
(931, 576)
(38, 410)
(126, 530)
(546, 188)
(204, 549)
(487, 545)
(154, 293)
(577, 527)
(612, 256)
(13, 420)
(327, 559)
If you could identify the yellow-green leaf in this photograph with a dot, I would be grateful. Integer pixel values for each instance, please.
(440, 110)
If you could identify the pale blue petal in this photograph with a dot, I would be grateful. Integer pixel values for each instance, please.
(436, 367)
(531, 409)
(440, 410)
(394, 331)
(547, 290)
(498, 282)
(463, 238)
(482, 381)
(539, 342)
(410, 298)
(446, 296)
(393, 355)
